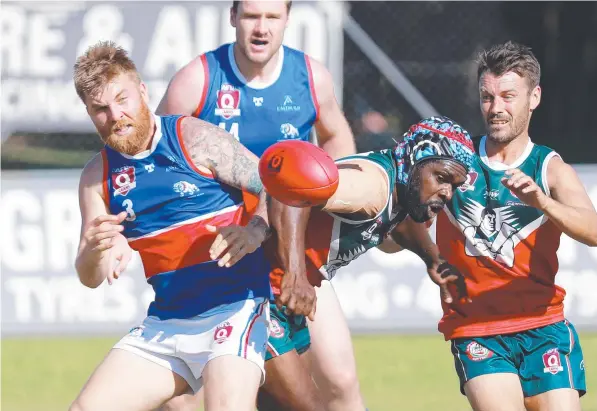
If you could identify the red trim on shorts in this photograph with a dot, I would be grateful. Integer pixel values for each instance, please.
(312, 87)
(271, 350)
(567, 356)
(185, 152)
(105, 178)
(205, 86)
(246, 344)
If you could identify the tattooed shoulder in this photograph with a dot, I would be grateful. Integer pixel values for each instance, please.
(212, 147)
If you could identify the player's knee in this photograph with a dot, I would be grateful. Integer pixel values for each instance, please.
(344, 385)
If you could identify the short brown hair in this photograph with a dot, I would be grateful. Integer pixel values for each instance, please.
(236, 3)
(510, 56)
(99, 65)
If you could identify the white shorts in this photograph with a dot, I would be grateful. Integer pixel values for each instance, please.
(185, 346)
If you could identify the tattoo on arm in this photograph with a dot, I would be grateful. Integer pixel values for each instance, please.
(230, 162)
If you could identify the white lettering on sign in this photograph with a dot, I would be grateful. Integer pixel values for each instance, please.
(427, 297)
(170, 47)
(55, 100)
(63, 299)
(37, 66)
(13, 28)
(44, 43)
(62, 225)
(362, 296)
(369, 295)
(156, 89)
(402, 296)
(41, 231)
(227, 32)
(104, 22)
(22, 234)
(30, 43)
(307, 31)
(206, 39)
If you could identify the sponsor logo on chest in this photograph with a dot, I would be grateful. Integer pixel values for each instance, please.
(288, 105)
(289, 131)
(185, 189)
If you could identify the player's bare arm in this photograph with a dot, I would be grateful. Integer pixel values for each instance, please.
(218, 151)
(290, 224)
(103, 252)
(333, 131)
(415, 237)
(231, 163)
(362, 188)
(185, 90)
(568, 204)
(389, 246)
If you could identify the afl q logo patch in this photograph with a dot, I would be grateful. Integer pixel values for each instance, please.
(476, 352)
(275, 163)
(552, 362)
(222, 332)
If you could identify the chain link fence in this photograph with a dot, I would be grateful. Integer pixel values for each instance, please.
(435, 44)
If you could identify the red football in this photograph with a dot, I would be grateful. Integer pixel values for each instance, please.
(298, 173)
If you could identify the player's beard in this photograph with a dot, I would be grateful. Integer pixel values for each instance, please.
(419, 212)
(515, 126)
(137, 140)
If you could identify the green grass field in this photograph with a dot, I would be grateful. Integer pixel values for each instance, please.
(412, 373)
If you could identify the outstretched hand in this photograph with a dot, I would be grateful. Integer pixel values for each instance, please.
(443, 274)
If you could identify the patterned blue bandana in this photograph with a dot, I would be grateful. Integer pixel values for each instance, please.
(433, 138)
